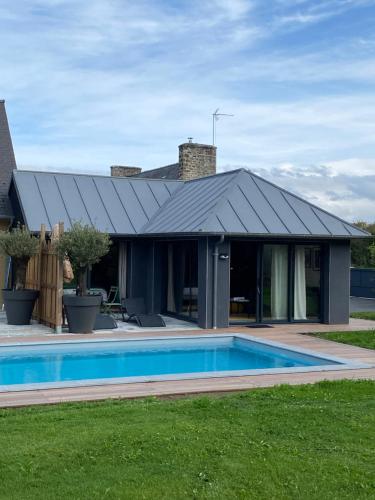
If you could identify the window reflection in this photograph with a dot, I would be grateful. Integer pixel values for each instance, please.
(307, 282)
(275, 282)
(182, 284)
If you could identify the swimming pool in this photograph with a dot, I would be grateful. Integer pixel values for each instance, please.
(71, 363)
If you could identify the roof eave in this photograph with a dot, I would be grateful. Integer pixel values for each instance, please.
(249, 235)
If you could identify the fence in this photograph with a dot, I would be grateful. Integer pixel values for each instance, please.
(362, 283)
(45, 273)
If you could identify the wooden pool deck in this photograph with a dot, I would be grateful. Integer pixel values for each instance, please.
(290, 335)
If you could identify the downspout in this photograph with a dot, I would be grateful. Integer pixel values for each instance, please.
(214, 298)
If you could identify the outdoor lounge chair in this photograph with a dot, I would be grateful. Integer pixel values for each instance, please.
(135, 309)
(112, 301)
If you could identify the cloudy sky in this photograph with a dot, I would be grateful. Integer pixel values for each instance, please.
(93, 83)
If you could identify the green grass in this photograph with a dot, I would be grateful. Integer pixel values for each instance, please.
(358, 338)
(303, 442)
(364, 315)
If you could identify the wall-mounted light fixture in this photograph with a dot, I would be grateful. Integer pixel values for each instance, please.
(223, 256)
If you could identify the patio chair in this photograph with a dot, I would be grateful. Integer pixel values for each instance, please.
(112, 301)
(135, 309)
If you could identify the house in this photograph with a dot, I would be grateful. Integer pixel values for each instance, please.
(7, 165)
(216, 249)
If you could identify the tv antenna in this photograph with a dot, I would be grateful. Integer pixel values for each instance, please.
(215, 117)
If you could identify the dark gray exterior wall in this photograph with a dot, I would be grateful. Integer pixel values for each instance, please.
(147, 272)
(206, 249)
(148, 268)
(337, 283)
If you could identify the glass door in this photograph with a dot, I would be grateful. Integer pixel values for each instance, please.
(275, 283)
(243, 282)
(182, 279)
(307, 278)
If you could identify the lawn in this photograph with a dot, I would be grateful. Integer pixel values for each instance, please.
(303, 442)
(358, 338)
(364, 315)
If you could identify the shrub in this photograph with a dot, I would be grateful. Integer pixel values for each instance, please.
(20, 245)
(84, 246)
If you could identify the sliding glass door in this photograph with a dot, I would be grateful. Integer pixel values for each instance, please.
(275, 283)
(182, 279)
(243, 282)
(307, 277)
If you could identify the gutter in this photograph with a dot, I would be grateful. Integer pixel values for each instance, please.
(215, 255)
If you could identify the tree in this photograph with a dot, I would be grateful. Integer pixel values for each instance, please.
(372, 254)
(363, 250)
(84, 246)
(20, 245)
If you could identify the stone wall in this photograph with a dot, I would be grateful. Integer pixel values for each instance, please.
(196, 160)
(123, 171)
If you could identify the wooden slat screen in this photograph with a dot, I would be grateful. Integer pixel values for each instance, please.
(45, 273)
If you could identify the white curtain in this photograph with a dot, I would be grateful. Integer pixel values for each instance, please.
(171, 304)
(279, 282)
(299, 283)
(122, 259)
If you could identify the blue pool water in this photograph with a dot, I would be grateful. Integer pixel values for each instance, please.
(51, 363)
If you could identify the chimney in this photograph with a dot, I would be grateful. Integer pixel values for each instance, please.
(123, 171)
(196, 160)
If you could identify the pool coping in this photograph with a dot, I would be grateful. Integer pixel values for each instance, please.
(344, 363)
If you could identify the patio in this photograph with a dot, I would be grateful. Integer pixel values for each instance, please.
(36, 329)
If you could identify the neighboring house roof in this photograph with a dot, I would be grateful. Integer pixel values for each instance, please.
(117, 205)
(237, 202)
(7, 163)
(167, 172)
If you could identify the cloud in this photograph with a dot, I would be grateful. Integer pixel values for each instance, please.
(349, 196)
(90, 84)
(233, 9)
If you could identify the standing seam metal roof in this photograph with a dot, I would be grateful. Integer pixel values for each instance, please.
(240, 202)
(112, 204)
(237, 202)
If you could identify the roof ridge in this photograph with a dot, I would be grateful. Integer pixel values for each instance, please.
(144, 179)
(149, 222)
(224, 197)
(228, 172)
(249, 172)
(157, 168)
(234, 173)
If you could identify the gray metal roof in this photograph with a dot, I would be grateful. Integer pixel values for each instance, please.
(240, 202)
(237, 203)
(7, 162)
(167, 172)
(116, 205)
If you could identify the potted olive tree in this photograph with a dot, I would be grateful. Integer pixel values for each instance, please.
(20, 246)
(84, 246)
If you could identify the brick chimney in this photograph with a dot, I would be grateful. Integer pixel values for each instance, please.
(196, 160)
(123, 171)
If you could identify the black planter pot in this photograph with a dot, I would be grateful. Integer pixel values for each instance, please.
(19, 305)
(81, 312)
